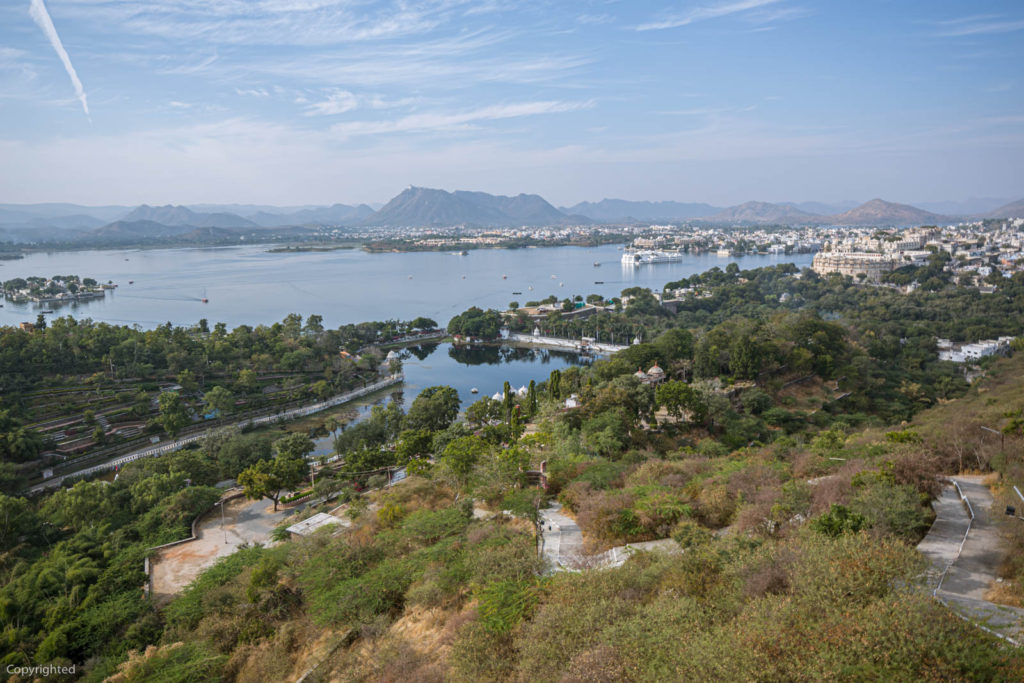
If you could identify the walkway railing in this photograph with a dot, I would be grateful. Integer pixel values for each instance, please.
(265, 419)
(970, 523)
(935, 593)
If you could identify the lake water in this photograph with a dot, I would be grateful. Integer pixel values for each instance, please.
(486, 368)
(248, 285)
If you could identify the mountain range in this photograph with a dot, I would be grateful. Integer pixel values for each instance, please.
(421, 206)
(621, 210)
(425, 207)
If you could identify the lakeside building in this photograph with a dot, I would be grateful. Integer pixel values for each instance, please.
(872, 265)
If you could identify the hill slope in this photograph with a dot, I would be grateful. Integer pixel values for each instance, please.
(1011, 210)
(623, 210)
(426, 206)
(337, 214)
(764, 212)
(180, 215)
(881, 212)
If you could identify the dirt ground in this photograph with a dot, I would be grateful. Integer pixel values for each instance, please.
(245, 521)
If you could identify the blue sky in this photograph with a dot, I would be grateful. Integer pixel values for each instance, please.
(322, 101)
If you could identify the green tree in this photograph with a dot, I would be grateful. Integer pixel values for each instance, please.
(173, 413)
(18, 522)
(219, 399)
(413, 443)
(675, 397)
(461, 455)
(247, 380)
(271, 478)
(294, 446)
(555, 384)
(434, 409)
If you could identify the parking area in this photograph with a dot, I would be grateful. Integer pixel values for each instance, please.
(244, 521)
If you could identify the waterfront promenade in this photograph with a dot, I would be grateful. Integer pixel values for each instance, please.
(153, 451)
(560, 343)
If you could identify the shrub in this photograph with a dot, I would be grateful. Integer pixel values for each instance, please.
(610, 517)
(689, 534)
(895, 509)
(503, 604)
(838, 520)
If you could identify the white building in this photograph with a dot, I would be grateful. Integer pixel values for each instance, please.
(959, 352)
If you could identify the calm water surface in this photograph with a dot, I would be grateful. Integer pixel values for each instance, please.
(486, 368)
(247, 285)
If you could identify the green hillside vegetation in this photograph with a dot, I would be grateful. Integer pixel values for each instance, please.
(791, 452)
(82, 388)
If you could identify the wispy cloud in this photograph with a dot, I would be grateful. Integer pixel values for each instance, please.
(430, 121)
(337, 102)
(252, 92)
(978, 24)
(703, 13)
(39, 14)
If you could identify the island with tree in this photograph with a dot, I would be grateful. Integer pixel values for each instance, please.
(58, 289)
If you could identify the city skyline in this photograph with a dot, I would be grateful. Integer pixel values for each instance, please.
(323, 101)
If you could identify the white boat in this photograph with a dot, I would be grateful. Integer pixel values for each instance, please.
(474, 390)
(645, 257)
(724, 253)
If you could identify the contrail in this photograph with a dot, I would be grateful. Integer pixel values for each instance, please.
(42, 18)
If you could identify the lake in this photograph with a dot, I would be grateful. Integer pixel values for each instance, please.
(248, 285)
(486, 368)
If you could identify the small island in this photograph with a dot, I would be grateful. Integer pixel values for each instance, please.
(55, 290)
(320, 246)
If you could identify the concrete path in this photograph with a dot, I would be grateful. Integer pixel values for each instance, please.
(563, 545)
(245, 521)
(960, 576)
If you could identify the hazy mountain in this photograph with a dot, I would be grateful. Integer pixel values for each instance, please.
(19, 213)
(424, 206)
(1011, 210)
(821, 208)
(247, 210)
(616, 210)
(338, 214)
(15, 221)
(137, 230)
(880, 212)
(179, 215)
(764, 212)
(968, 207)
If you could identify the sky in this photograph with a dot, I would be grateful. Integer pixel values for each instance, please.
(294, 102)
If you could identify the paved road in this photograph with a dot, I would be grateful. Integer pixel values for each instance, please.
(563, 545)
(972, 569)
(170, 446)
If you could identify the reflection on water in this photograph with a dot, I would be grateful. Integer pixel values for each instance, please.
(496, 355)
(464, 368)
